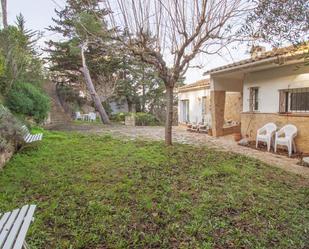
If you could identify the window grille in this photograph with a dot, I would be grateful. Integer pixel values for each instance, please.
(294, 100)
(203, 105)
(254, 99)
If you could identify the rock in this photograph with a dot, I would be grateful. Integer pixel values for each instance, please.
(5, 157)
(306, 161)
(244, 142)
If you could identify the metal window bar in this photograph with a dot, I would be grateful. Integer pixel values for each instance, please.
(298, 100)
(254, 99)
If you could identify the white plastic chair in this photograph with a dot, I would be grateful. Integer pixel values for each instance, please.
(265, 134)
(92, 116)
(78, 116)
(207, 120)
(285, 136)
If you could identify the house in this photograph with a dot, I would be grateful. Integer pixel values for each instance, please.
(194, 104)
(274, 87)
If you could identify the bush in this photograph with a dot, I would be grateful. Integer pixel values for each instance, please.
(26, 99)
(119, 117)
(10, 130)
(141, 118)
(145, 119)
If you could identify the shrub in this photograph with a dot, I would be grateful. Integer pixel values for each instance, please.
(26, 99)
(141, 118)
(119, 117)
(145, 119)
(10, 130)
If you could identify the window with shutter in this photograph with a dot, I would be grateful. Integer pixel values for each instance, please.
(294, 100)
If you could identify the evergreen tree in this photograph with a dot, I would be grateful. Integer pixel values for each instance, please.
(88, 55)
(21, 61)
(278, 22)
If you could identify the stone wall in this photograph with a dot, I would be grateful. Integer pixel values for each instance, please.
(5, 157)
(231, 130)
(130, 120)
(251, 122)
(217, 112)
(233, 106)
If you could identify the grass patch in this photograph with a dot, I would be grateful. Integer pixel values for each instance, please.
(100, 192)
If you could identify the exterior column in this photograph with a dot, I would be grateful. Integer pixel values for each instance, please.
(217, 112)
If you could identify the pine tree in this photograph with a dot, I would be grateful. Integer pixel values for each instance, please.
(87, 52)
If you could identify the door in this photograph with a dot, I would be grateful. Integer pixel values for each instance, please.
(185, 110)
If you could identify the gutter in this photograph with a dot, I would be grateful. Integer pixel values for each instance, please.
(254, 63)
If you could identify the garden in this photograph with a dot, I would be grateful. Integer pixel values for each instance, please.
(100, 192)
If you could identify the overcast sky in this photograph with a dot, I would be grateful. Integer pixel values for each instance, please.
(39, 13)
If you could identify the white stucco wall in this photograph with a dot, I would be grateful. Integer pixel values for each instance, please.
(270, 82)
(195, 104)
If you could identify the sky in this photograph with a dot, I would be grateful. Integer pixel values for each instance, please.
(39, 13)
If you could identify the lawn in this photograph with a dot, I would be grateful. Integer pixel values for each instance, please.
(100, 192)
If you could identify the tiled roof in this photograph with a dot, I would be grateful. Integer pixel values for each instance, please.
(277, 52)
(196, 85)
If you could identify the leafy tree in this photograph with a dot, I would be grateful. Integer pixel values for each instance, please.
(136, 82)
(278, 22)
(21, 61)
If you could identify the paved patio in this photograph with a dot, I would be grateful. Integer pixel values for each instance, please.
(180, 135)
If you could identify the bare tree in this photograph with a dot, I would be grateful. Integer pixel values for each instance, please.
(169, 34)
(4, 13)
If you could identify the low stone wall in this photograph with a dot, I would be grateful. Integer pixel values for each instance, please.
(231, 130)
(5, 157)
(251, 122)
(130, 120)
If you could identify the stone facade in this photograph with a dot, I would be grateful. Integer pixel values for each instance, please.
(217, 112)
(251, 122)
(5, 157)
(233, 106)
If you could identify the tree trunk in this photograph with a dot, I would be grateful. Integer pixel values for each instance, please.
(95, 97)
(4, 13)
(169, 115)
(143, 97)
(130, 104)
(143, 91)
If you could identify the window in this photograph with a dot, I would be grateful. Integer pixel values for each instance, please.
(294, 100)
(254, 99)
(185, 110)
(203, 105)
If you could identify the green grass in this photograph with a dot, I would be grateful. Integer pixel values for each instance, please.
(100, 192)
